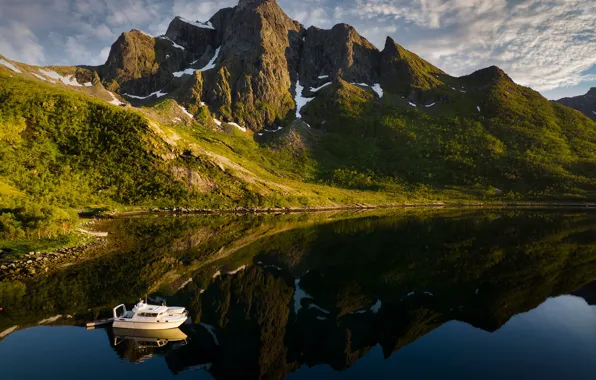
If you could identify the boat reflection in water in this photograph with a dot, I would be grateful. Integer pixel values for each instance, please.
(139, 345)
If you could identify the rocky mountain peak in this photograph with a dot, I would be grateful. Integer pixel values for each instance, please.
(260, 47)
(140, 64)
(327, 53)
(405, 72)
(392, 48)
(584, 103)
(196, 37)
(254, 3)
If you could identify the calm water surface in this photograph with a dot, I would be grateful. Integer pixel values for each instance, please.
(409, 294)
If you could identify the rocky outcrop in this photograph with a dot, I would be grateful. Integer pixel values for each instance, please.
(193, 180)
(140, 64)
(35, 264)
(583, 103)
(260, 46)
(403, 71)
(339, 52)
(220, 21)
(196, 37)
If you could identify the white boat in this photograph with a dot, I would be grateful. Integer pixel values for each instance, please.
(149, 317)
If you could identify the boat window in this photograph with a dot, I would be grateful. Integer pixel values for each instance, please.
(148, 315)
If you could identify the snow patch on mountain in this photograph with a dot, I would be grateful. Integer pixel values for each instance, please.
(10, 66)
(70, 81)
(115, 100)
(40, 77)
(299, 99)
(198, 24)
(186, 112)
(178, 74)
(173, 43)
(211, 63)
(320, 87)
(243, 129)
(208, 66)
(377, 88)
(157, 93)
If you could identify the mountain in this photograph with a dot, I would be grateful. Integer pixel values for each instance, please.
(252, 109)
(586, 104)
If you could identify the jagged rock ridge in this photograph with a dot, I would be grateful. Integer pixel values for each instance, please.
(250, 64)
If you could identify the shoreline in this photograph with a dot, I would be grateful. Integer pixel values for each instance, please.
(357, 207)
(36, 264)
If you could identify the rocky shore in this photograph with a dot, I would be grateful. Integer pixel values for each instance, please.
(34, 264)
(353, 207)
(267, 210)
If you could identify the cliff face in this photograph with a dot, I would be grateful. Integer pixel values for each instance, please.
(193, 36)
(339, 52)
(254, 65)
(259, 49)
(251, 57)
(403, 71)
(139, 64)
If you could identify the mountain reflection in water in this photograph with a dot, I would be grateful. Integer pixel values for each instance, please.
(289, 296)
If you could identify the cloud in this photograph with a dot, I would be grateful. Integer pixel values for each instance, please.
(18, 42)
(199, 10)
(77, 52)
(545, 45)
(133, 12)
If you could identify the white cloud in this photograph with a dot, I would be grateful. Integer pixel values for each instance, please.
(103, 54)
(544, 44)
(133, 12)
(18, 42)
(541, 44)
(199, 10)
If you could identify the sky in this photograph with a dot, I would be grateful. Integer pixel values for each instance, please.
(549, 45)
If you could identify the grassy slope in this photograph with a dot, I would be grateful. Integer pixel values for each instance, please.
(518, 141)
(62, 149)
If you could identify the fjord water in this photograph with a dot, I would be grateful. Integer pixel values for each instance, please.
(411, 294)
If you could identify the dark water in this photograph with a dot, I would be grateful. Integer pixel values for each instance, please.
(413, 294)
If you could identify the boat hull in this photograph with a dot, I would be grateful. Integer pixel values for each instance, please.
(138, 325)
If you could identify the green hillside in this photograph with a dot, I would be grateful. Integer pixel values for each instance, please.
(418, 135)
(496, 135)
(63, 150)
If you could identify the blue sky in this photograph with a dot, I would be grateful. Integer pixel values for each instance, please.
(549, 45)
